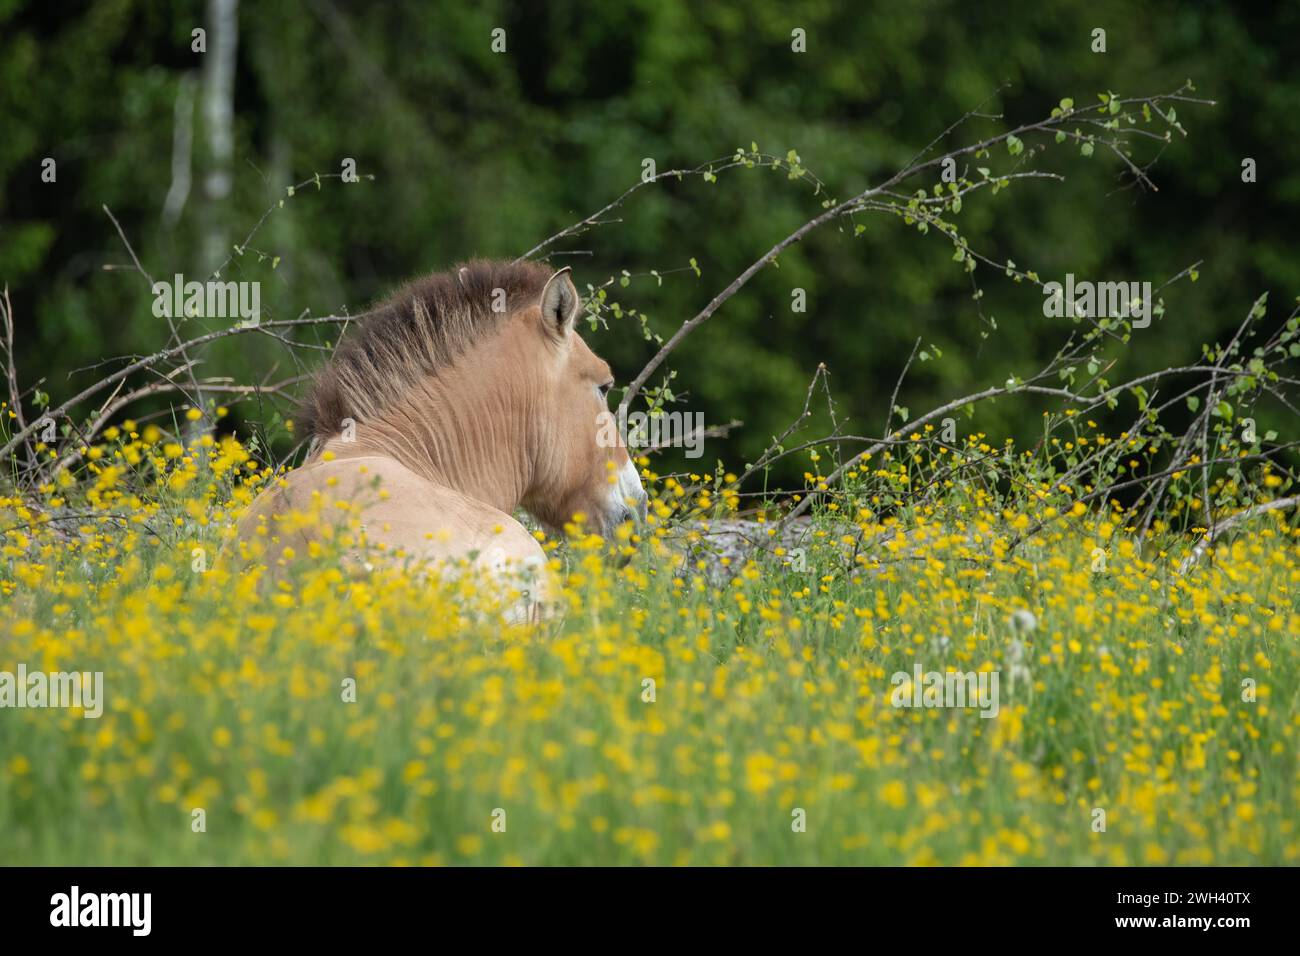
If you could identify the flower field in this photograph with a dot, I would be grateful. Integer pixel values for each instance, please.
(1146, 716)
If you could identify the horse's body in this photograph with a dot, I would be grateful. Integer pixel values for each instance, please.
(463, 397)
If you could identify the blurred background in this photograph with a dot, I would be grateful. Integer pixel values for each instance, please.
(482, 153)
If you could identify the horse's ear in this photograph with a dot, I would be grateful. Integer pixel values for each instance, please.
(560, 303)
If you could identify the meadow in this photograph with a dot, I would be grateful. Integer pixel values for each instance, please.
(684, 710)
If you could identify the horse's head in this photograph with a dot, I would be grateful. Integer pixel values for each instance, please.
(477, 380)
(580, 462)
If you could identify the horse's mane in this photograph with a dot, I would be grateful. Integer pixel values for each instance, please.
(421, 328)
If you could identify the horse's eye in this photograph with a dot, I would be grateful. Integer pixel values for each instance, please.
(604, 389)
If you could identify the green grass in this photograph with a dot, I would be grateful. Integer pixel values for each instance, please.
(1121, 691)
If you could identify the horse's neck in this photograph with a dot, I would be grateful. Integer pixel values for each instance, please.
(480, 452)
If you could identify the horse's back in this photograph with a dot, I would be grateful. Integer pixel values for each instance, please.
(400, 514)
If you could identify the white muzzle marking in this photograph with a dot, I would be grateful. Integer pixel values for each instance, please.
(627, 494)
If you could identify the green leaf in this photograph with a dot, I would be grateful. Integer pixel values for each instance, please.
(1086, 149)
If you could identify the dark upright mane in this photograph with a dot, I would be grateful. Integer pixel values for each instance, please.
(422, 327)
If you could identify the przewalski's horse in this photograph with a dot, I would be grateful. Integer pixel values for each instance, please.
(465, 395)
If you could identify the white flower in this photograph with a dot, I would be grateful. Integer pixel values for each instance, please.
(1024, 621)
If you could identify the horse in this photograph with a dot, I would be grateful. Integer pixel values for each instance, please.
(462, 397)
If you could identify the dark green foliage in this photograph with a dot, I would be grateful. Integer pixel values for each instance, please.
(475, 153)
